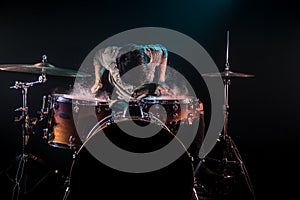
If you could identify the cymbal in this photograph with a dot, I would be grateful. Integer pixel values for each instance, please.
(228, 74)
(42, 68)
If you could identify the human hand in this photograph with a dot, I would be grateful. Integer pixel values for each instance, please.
(144, 90)
(97, 86)
(164, 90)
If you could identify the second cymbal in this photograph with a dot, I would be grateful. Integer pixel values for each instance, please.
(228, 74)
(42, 68)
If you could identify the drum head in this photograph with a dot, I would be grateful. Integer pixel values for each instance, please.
(91, 179)
(79, 99)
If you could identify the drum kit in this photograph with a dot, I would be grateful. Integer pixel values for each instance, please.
(73, 122)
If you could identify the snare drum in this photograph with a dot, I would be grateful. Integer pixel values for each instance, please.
(180, 114)
(173, 110)
(71, 118)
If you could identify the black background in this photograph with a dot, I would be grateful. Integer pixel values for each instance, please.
(264, 40)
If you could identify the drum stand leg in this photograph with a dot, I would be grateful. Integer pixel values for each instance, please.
(195, 194)
(67, 190)
(230, 150)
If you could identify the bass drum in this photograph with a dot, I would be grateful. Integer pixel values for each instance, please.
(92, 179)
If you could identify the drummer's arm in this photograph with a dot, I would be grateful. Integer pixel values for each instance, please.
(98, 83)
(163, 88)
(162, 71)
(97, 73)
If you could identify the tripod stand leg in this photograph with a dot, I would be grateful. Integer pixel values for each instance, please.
(195, 194)
(244, 171)
(25, 174)
(20, 178)
(67, 191)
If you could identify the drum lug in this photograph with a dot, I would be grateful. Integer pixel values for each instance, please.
(174, 115)
(190, 118)
(98, 109)
(50, 136)
(76, 107)
(190, 106)
(55, 106)
(74, 156)
(45, 135)
(72, 143)
(114, 117)
(175, 107)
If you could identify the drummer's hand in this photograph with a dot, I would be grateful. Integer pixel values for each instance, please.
(147, 89)
(140, 91)
(97, 86)
(164, 90)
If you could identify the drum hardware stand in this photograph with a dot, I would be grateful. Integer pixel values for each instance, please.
(27, 130)
(229, 149)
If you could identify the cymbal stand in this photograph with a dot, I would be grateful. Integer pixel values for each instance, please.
(230, 148)
(27, 130)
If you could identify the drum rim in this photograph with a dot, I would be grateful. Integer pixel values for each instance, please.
(160, 99)
(68, 98)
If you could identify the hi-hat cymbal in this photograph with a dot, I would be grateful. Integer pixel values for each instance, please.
(42, 68)
(228, 74)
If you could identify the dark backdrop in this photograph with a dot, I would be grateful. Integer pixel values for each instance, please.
(264, 41)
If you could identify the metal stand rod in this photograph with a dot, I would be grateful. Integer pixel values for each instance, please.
(226, 90)
(226, 107)
(21, 175)
(230, 147)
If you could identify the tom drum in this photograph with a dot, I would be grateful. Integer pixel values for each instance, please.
(71, 118)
